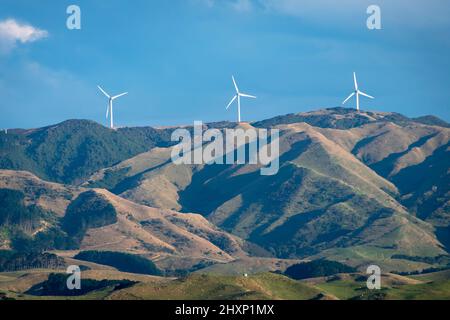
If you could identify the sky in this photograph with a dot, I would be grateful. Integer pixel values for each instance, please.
(176, 58)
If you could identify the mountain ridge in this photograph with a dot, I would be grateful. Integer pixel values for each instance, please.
(344, 189)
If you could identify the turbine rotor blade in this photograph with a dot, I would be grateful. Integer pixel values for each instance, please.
(119, 95)
(107, 111)
(103, 91)
(365, 95)
(348, 98)
(235, 85)
(247, 95)
(354, 79)
(232, 100)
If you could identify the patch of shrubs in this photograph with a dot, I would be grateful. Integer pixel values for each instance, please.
(56, 285)
(122, 261)
(317, 268)
(13, 261)
(88, 210)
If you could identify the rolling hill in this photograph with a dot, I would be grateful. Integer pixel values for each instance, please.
(95, 219)
(353, 187)
(333, 190)
(72, 150)
(260, 286)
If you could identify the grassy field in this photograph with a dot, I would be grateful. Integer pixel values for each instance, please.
(195, 286)
(434, 286)
(359, 256)
(344, 289)
(265, 286)
(428, 291)
(207, 287)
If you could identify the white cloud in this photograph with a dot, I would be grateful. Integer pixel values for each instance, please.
(208, 3)
(237, 5)
(242, 5)
(415, 14)
(12, 32)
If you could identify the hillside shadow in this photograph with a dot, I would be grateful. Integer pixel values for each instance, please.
(133, 181)
(443, 235)
(215, 184)
(385, 166)
(431, 174)
(364, 142)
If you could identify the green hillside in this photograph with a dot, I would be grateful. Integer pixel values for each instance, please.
(74, 149)
(113, 285)
(214, 287)
(345, 118)
(333, 190)
(356, 188)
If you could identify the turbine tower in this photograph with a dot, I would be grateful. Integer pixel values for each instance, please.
(109, 109)
(357, 92)
(238, 96)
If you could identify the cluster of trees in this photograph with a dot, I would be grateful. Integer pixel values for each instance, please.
(56, 285)
(20, 223)
(323, 121)
(14, 213)
(439, 259)
(424, 271)
(89, 210)
(317, 268)
(122, 261)
(13, 261)
(73, 150)
(443, 260)
(52, 238)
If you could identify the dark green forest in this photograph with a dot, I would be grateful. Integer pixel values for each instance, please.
(122, 261)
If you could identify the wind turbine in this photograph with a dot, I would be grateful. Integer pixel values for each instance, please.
(238, 96)
(109, 109)
(357, 92)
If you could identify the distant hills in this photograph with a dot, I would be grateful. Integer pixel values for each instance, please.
(72, 219)
(345, 118)
(70, 151)
(353, 187)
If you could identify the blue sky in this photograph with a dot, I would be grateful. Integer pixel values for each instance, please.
(176, 59)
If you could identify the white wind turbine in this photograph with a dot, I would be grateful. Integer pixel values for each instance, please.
(238, 96)
(357, 92)
(109, 109)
